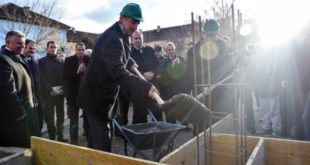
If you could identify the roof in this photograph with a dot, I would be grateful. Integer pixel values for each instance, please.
(169, 33)
(76, 36)
(13, 12)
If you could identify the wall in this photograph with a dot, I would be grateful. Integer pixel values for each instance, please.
(60, 35)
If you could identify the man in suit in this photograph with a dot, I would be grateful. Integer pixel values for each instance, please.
(148, 65)
(74, 69)
(51, 73)
(18, 117)
(30, 49)
(108, 68)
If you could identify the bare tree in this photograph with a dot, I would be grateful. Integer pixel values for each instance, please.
(35, 19)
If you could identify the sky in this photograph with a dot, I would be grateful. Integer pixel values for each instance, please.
(277, 19)
(86, 16)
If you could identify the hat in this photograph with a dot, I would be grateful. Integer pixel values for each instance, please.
(132, 10)
(158, 48)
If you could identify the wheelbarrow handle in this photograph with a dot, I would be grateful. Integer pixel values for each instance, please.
(157, 97)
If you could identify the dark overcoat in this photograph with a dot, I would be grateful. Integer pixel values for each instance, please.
(107, 69)
(72, 80)
(51, 74)
(16, 100)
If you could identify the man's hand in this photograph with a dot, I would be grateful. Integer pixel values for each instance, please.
(81, 68)
(175, 62)
(151, 92)
(60, 92)
(21, 118)
(207, 90)
(53, 93)
(134, 66)
(148, 75)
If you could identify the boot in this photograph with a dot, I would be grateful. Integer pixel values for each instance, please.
(62, 139)
(52, 137)
(74, 142)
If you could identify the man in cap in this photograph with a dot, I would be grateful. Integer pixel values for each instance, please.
(109, 67)
(158, 51)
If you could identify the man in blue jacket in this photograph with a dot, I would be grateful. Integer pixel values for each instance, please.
(107, 69)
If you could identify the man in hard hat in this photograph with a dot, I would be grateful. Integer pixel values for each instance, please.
(109, 67)
(212, 65)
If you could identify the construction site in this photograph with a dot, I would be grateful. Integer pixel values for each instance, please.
(200, 137)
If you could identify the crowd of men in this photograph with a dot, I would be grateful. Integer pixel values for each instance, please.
(102, 82)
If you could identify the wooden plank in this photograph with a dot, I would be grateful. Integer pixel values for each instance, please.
(226, 144)
(221, 143)
(286, 152)
(187, 153)
(257, 156)
(47, 152)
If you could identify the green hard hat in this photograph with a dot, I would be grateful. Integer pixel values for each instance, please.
(132, 10)
(211, 27)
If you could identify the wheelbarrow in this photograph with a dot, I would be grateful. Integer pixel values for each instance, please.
(152, 135)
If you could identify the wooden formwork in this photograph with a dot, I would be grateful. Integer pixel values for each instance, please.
(286, 152)
(223, 151)
(259, 150)
(47, 152)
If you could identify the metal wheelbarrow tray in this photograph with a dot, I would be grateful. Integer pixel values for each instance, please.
(151, 135)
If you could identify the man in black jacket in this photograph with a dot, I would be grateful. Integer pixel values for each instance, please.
(148, 65)
(51, 72)
(172, 80)
(108, 68)
(18, 117)
(74, 69)
(30, 49)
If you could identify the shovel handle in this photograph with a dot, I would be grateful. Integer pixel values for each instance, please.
(215, 86)
(157, 97)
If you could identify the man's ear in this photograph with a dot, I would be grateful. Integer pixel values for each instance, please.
(121, 18)
(7, 42)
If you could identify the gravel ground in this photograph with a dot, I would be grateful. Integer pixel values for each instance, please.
(118, 142)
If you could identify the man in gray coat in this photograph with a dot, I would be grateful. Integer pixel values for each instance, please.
(18, 119)
(109, 67)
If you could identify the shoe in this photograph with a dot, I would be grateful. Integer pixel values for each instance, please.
(275, 135)
(74, 142)
(52, 137)
(264, 133)
(188, 129)
(61, 139)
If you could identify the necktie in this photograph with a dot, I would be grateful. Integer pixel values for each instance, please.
(29, 63)
(140, 50)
